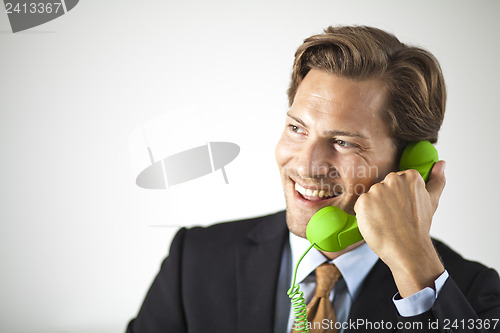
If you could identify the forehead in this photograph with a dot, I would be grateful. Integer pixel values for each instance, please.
(326, 100)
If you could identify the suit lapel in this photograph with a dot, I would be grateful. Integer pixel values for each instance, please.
(258, 263)
(374, 302)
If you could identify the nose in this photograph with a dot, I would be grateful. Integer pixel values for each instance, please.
(315, 160)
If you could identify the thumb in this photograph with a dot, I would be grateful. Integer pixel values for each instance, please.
(436, 182)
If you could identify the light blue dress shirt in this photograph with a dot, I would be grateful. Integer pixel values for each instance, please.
(354, 267)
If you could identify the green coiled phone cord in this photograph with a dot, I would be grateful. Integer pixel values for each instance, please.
(298, 301)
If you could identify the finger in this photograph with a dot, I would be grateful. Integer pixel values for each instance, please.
(358, 206)
(436, 182)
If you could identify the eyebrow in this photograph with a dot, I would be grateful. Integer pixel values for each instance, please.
(332, 132)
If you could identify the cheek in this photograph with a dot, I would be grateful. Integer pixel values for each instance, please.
(283, 152)
(363, 175)
(358, 175)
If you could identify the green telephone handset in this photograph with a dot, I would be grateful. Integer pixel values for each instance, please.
(332, 230)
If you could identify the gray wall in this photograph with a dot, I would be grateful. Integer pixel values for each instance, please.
(80, 243)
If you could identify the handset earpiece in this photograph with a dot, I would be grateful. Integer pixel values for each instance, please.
(420, 156)
(332, 230)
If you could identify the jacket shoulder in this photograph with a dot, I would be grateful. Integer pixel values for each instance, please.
(234, 232)
(463, 271)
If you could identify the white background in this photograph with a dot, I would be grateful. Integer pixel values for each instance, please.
(80, 243)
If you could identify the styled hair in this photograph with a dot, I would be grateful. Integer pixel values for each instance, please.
(416, 99)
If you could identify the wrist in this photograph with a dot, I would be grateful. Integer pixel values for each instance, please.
(416, 272)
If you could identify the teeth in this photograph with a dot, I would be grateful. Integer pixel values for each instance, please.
(300, 189)
(313, 193)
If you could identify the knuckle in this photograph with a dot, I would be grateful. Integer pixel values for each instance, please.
(362, 197)
(376, 188)
(414, 178)
(359, 203)
(391, 177)
(412, 174)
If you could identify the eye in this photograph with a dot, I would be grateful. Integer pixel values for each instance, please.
(296, 129)
(345, 144)
(342, 143)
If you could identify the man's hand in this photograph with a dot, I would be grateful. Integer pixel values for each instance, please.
(395, 218)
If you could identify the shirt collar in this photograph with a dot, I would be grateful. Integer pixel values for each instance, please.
(353, 265)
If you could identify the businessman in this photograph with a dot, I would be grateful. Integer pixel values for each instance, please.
(357, 97)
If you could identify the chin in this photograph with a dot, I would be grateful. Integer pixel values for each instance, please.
(296, 224)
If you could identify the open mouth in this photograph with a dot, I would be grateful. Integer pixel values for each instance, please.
(320, 193)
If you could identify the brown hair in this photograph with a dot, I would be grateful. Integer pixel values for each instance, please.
(416, 91)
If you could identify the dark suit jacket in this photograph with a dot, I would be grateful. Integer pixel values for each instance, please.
(223, 279)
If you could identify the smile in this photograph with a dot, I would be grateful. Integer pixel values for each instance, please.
(316, 194)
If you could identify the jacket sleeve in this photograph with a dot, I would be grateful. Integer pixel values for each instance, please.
(162, 310)
(477, 310)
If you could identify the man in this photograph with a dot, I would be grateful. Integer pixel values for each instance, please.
(357, 97)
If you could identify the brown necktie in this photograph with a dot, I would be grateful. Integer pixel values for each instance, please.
(320, 307)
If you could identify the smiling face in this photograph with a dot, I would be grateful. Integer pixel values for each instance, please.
(335, 145)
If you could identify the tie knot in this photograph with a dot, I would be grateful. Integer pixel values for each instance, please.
(326, 276)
